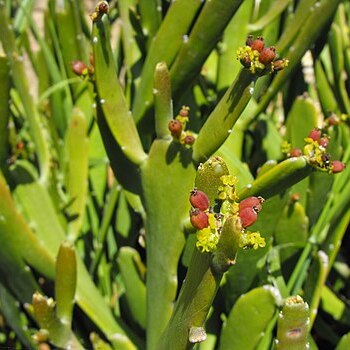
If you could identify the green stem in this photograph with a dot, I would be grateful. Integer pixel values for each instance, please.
(219, 124)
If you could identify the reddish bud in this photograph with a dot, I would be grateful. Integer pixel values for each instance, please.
(251, 202)
(324, 142)
(315, 134)
(79, 67)
(199, 200)
(337, 166)
(248, 216)
(20, 145)
(296, 152)
(333, 119)
(258, 44)
(249, 40)
(184, 111)
(189, 140)
(199, 219)
(278, 65)
(267, 55)
(175, 127)
(295, 197)
(102, 7)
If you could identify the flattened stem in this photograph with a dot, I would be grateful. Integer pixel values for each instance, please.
(219, 124)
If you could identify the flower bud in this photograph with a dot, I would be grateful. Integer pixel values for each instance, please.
(258, 44)
(79, 68)
(267, 55)
(333, 119)
(324, 142)
(199, 200)
(175, 127)
(199, 219)
(184, 111)
(248, 216)
(296, 152)
(315, 134)
(337, 166)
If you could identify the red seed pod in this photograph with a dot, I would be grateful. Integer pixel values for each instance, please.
(324, 142)
(337, 166)
(175, 127)
(267, 55)
(296, 152)
(249, 40)
(258, 44)
(199, 199)
(189, 140)
(315, 134)
(199, 219)
(79, 67)
(251, 202)
(248, 216)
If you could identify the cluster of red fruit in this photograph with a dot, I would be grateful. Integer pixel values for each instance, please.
(200, 206)
(258, 58)
(249, 209)
(177, 127)
(316, 135)
(267, 54)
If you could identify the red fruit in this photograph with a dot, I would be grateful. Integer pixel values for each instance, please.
(267, 55)
(296, 152)
(199, 200)
(199, 219)
(248, 216)
(175, 127)
(315, 134)
(251, 202)
(258, 44)
(189, 140)
(337, 166)
(324, 141)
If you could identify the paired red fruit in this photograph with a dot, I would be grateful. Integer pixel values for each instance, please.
(199, 200)
(249, 209)
(251, 202)
(199, 219)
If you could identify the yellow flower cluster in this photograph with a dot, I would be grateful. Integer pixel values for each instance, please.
(252, 240)
(250, 59)
(208, 238)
